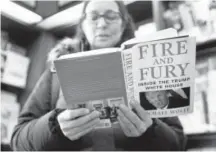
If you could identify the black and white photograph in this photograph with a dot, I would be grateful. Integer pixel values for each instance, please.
(100, 106)
(108, 75)
(165, 99)
(106, 107)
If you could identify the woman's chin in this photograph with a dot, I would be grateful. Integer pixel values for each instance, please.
(103, 44)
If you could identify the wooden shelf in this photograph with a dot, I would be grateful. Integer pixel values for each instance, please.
(11, 85)
(10, 88)
(4, 53)
(206, 44)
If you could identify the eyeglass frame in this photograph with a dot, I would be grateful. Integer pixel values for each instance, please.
(103, 16)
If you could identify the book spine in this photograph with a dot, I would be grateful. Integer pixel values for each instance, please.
(128, 75)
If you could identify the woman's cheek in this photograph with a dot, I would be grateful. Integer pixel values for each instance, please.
(89, 31)
(117, 32)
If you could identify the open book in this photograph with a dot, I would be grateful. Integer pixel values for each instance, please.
(157, 71)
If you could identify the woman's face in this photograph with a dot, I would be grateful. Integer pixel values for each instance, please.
(103, 25)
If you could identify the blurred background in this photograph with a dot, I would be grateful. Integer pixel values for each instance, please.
(29, 29)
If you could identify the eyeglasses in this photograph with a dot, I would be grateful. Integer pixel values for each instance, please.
(109, 17)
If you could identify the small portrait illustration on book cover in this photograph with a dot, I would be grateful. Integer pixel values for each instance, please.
(165, 99)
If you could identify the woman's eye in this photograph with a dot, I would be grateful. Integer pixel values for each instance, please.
(93, 17)
(112, 17)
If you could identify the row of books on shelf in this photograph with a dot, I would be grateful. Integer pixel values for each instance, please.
(7, 44)
(14, 71)
(186, 17)
(14, 63)
(202, 120)
(9, 115)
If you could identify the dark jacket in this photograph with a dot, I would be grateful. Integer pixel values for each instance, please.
(33, 130)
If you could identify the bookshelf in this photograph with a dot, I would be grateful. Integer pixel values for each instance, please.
(14, 70)
(199, 126)
(36, 44)
(187, 18)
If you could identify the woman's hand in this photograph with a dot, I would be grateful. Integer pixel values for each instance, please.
(133, 124)
(78, 122)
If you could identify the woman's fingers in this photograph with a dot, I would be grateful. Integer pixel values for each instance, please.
(82, 133)
(93, 122)
(134, 124)
(130, 115)
(72, 114)
(75, 132)
(82, 120)
(124, 128)
(77, 122)
(131, 129)
(144, 116)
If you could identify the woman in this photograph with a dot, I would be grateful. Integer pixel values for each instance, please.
(43, 125)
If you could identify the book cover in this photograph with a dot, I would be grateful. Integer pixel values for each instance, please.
(163, 75)
(94, 80)
(160, 70)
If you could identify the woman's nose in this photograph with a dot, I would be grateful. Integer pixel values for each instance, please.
(101, 22)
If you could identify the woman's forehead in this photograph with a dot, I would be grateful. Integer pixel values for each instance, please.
(101, 6)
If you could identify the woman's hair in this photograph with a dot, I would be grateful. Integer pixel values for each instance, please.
(128, 32)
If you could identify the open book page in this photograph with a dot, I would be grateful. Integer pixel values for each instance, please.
(163, 73)
(94, 82)
(89, 53)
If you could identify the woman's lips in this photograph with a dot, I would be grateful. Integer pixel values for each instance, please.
(102, 36)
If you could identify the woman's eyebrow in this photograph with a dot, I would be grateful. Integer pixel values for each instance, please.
(106, 11)
(111, 10)
(92, 12)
